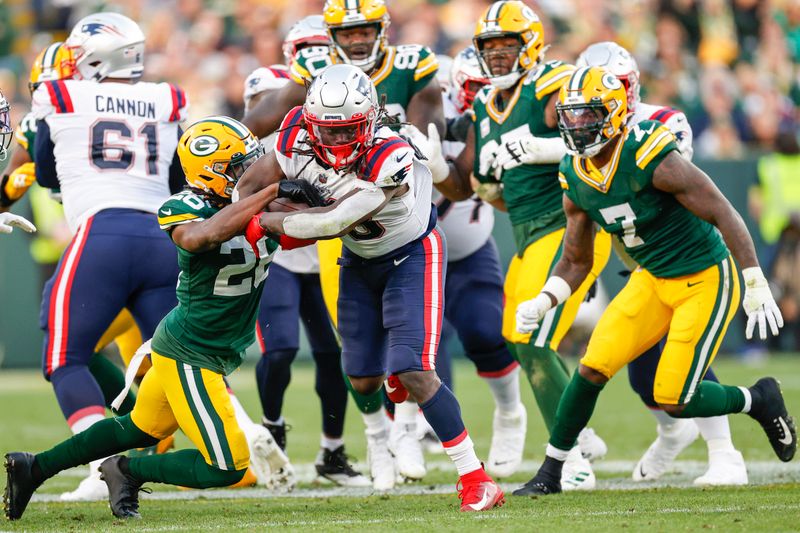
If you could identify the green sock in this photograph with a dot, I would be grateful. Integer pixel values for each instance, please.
(107, 437)
(367, 404)
(111, 379)
(185, 468)
(548, 378)
(713, 399)
(574, 411)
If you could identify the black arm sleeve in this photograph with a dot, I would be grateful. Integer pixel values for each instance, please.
(177, 179)
(457, 128)
(43, 156)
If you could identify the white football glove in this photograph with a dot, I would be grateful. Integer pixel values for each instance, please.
(431, 148)
(527, 150)
(759, 305)
(489, 192)
(531, 312)
(9, 220)
(487, 163)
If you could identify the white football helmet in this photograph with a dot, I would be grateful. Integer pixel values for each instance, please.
(341, 113)
(6, 131)
(466, 78)
(308, 31)
(619, 62)
(107, 45)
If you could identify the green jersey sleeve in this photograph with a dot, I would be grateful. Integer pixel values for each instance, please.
(422, 60)
(183, 208)
(25, 134)
(310, 61)
(654, 141)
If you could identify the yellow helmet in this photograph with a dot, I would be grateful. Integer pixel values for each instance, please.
(53, 63)
(215, 152)
(343, 14)
(592, 107)
(510, 18)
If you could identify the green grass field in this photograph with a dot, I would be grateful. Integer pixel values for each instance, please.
(30, 420)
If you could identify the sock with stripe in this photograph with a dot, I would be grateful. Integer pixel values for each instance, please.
(714, 399)
(547, 375)
(107, 437)
(111, 380)
(184, 468)
(77, 392)
(444, 415)
(574, 411)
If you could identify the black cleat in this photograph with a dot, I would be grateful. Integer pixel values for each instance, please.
(334, 466)
(278, 433)
(20, 484)
(123, 489)
(539, 485)
(769, 410)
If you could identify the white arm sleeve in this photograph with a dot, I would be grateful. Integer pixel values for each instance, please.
(333, 222)
(550, 149)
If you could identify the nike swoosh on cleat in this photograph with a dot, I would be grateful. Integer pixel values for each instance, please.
(398, 261)
(481, 504)
(787, 435)
(167, 211)
(388, 388)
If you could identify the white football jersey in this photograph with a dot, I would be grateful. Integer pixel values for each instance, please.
(113, 142)
(673, 119)
(389, 163)
(467, 224)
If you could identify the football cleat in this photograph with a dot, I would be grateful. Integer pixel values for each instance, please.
(278, 432)
(725, 467)
(123, 489)
(268, 461)
(381, 461)
(545, 482)
(20, 484)
(334, 466)
(90, 489)
(508, 442)
(770, 411)
(395, 390)
(659, 457)
(592, 446)
(478, 492)
(577, 472)
(407, 450)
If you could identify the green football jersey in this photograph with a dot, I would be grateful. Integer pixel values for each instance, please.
(531, 192)
(26, 133)
(218, 294)
(404, 71)
(657, 231)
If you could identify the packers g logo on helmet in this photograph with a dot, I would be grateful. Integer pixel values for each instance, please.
(592, 108)
(510, 18)
(343, 14)
(215, 152)
(55, 62)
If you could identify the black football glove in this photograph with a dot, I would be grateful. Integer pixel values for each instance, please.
(300, 191)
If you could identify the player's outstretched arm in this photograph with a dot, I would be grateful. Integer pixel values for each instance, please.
(268, 113)
(225, 224)
(697, 193)
(570, 271)
(452, 177)
(259, 175)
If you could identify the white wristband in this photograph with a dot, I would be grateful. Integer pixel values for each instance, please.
(558, 287)
(752, 276)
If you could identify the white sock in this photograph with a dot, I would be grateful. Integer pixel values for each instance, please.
(748, 399)
(463, 456)
(84, 423)
(374, 422)
(242, 417)
(720, 445)
(278, 422)
(555, 453)
(664, 420)
(406, 413)
(330, 443)
(714, 428)
(505, 390)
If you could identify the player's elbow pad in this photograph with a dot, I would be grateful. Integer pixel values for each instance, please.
(324, 225)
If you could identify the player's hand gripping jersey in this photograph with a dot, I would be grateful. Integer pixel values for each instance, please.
(107, 134)
(389, 163)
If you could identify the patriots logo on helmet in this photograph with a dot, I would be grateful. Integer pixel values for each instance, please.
(94, 28)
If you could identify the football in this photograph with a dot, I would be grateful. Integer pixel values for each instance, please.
(284, 205)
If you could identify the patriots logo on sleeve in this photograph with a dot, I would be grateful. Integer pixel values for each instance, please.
(93, 28)
(400, 176)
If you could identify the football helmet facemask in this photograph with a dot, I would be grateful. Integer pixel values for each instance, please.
(619, 62)
(592, 108)
(345, 14)
(6, 131)
(309, 31)
(466, 78)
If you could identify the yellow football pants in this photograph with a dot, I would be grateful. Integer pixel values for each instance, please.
(125, 333)
(526, 277)
(695, 310)
(329, 251)
(174, 394)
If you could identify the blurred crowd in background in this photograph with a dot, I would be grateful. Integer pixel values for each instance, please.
(730, 65)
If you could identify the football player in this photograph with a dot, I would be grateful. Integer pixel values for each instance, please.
(8, 221)
(474, 282)
(394, 258)
(200, 341)
(520, 101)
(405, 76)
(725, 463)
(673, 221)
(293, 294)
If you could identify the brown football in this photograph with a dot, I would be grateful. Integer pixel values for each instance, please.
(283, 205)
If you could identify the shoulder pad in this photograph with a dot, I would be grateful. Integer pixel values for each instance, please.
(181, 208)
(554, 74)
(308, 62)
(388, 163)
(287, 133)
(649, 138)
